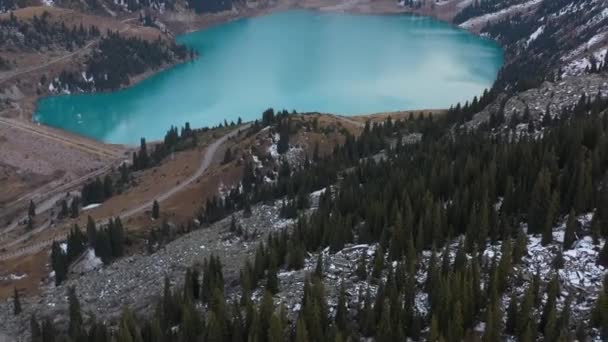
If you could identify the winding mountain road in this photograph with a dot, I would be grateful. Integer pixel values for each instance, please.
(206, 162)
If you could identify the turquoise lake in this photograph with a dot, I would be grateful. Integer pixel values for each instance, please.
(295, 60)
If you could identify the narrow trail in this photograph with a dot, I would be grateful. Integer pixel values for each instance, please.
(210, 153)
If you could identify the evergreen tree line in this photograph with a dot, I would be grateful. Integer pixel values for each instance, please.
(529, 63)
(298, 182)
(41, 32)
(210, 6)
(475, 184)
(117, 58)
(98, 190)
(459, 180)
(108, 243)
(461, 292)
(174, 141)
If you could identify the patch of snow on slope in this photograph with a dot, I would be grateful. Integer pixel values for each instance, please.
(273, 148)
(91, 206)
(585, 46)
(481, 20)
(598, 18)
(91, 261)
(576, 67)
(535, 34)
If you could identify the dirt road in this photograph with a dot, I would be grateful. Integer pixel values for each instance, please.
(207, 160)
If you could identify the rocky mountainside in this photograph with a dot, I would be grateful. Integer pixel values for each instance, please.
(555, 51)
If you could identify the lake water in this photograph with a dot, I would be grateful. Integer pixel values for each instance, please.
(295, 60)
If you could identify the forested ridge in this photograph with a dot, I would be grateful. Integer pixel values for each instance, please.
(538, 42)
(474, 188)
(117, 58)
(40, 32)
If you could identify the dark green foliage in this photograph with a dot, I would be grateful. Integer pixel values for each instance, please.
(213, 278)
(599, 317)
(59, 263)
(110, 241)
(74, 207)
(31, 212)
(571, 229)
(97, 191)
(75, 328)
(16, 302)
(456, 182)
(42, 32)
(361, 267)
(155, 210)
(602, 258)
(200, 6)
(117, 58)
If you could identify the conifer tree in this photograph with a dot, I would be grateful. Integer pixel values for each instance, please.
(386, 332)
(301, 332)
(599, 316)
(547, 234)
(539, 205)
(504, 266)
(525, 318)
(341, 318)
(74, 206)
(275, 331)
(31, 212)
(570, 234)
(16, 302)
(378, 263)
(91, 231)
(75, 326)
(549, 310)
(434, 330)
(155, 210)
(602, 258)
(493, 323)
(595, 229)
(319, 267)
(361, 270)
(512, 312)
(272, 282)
(59, 263)
(35, 331)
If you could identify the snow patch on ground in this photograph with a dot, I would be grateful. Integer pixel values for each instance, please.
(585, 46)
(481, 20)
(91, 261)
(272, 149)
(91, 206)
(535, 34)
(13, 276)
